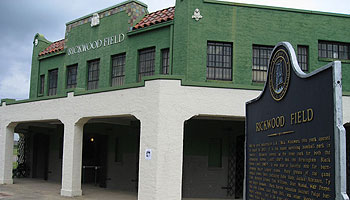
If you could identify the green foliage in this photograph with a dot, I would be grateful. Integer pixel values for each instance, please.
(15, 165)
(15, 152)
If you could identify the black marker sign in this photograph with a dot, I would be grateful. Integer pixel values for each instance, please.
(293, 139)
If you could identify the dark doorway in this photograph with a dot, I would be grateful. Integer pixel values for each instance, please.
(136, 129)
(41, 156)
(111, 152)
(95, 159)
(213, 158)
(40, 150)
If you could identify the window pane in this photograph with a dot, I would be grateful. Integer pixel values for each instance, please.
(146, 62)
(303, 58)
(334, 50)
(93, 74)
(53, 82)
(118, 68)
(41, 84)
(72, 76)
(165, 61)
(219, 61)
(261, 56)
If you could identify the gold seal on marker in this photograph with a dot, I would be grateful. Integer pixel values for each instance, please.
(279, 74)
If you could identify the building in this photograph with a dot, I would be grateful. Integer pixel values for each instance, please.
(155, 103)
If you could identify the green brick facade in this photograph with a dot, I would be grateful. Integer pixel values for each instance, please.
(240, 24)
(195, 135)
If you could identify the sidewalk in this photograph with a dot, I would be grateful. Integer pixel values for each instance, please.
(36, 189)
(45, 190)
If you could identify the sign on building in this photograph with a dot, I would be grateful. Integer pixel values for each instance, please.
(295, 140)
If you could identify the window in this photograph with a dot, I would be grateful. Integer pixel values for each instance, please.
(219, 61)
(215, 152)
(72, 76)
(146, 62)
(41, 84)
(118, 72)
(261, 56)
(165, 61)
(53, 74)
(334, 50)
(303, 54)
(93, 74)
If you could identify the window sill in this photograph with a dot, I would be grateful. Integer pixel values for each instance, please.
(70, 90)
(40, 95)
(218, 81)
(258, 84)
(333, 59)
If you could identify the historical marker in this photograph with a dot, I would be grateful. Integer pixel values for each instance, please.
(295, 140)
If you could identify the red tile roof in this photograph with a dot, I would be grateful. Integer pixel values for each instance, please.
(54, 47)
(156, 18)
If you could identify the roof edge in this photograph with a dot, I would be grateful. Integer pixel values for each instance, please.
(49, 51)
(42, 38)
(149, 28)
(154, 19)
(277, 8)
(105, 9)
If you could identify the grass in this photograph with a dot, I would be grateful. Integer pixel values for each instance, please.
(15, 152)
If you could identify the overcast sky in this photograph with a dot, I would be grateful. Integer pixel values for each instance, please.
(20, 20)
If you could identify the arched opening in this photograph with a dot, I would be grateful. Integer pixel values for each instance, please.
(110, 157)
(213, 157)
(38, 150)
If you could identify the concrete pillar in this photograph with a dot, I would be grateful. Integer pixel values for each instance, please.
(72, 158)
(161, 177)
(6, 153)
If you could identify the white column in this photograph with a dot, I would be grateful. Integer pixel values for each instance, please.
(161, 177)
(72, 158)
(6, 153)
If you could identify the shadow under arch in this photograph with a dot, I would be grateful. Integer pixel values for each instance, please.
(38, 149)
(110, 157)
(213, 157)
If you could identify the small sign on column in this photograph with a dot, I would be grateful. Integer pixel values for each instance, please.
(148, 154)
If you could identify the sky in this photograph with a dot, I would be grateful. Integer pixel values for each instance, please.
(20, 20)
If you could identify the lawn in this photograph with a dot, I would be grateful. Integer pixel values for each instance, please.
(15, 151)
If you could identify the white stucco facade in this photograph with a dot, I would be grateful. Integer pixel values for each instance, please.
(162, 106)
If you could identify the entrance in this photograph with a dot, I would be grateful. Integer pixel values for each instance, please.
(95, 159)
(111, 153)
(39, 150)
(213, 158)
(41, 143)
